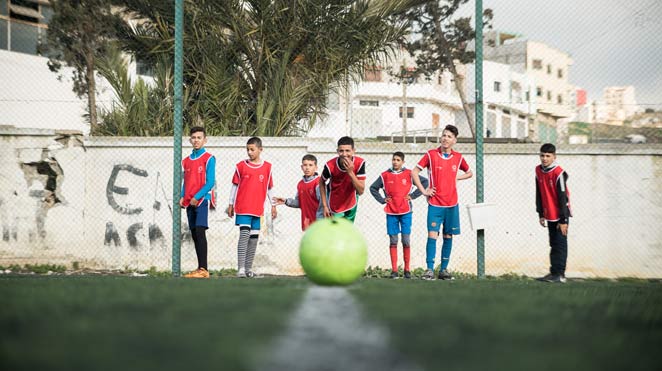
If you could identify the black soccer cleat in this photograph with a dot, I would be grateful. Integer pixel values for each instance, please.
(444, 275)
(407, 274)
(394, 275)
(428, 275)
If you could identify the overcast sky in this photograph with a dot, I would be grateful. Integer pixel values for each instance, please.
(612, 42)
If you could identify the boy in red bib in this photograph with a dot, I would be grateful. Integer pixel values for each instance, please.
(251, 186)
(345, 175)
(443, 165)
(197, 196)
(398, 192)
(553, 207)
(307, 197)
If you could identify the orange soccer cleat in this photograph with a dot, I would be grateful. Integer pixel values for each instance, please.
(198, 273)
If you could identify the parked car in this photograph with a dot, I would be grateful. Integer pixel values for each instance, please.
(635, 138)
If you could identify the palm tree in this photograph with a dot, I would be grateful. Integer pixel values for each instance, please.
(139, 108)
(266, 67)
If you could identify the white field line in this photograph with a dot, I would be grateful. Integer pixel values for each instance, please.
(329, 332)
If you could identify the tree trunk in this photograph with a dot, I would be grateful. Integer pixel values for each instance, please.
(442, 44)
(91, 90)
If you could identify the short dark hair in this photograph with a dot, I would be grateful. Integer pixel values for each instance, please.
(548, 148)
(309, 157)
(399, 154)
(452, 129)
(196, 129)
(346, 141)
(255, 140)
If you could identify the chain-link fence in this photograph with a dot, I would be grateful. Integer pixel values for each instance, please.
(105, 201)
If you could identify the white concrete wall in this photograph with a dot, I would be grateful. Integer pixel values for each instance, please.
(31, 96)
(61, 198)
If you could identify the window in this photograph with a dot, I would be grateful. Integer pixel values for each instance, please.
(549, 95)
(497, 86)
(559, 99)
(370, 103)
(559, 73)
(144, 68)
(23, 24)
(410, 112)
(539, 92)
(537, 64)
(372, 74)
(549, 69)
(25, 11)
(333, 101)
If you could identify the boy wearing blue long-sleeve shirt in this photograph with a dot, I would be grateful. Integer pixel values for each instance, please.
(199, 178)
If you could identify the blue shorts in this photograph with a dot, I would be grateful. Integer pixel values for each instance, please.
(248, 221)
(398, 224)
(198, 216)
(448, 216)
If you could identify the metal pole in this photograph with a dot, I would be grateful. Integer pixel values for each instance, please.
(480, 238)
(177, 139)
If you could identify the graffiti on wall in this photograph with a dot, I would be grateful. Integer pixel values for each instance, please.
(43, 179)
(116, 194)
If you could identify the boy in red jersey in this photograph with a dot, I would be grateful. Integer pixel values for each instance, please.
(553, 207)
(443, 164)
(398, 193)
(345, 175)
(307, 197)
(251, 186)
(197, 196)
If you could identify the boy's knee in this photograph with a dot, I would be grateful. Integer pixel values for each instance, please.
(448, 237)
(433, 235)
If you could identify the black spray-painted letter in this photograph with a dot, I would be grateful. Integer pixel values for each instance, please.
(111, 189)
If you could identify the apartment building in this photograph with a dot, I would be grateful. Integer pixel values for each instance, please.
(549, 67)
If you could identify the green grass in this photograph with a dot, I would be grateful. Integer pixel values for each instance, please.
(121, 323)
(520, 325)
(155, 323)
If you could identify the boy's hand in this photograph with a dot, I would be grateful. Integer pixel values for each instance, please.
(429, 191)
(181, 202)
(194, 202)
(542, 222)
(563, 228)
(279, 200)
(388, 199)
(348, 164)
(274, 213)
(327, 212)
(408, 197)
(230, 211)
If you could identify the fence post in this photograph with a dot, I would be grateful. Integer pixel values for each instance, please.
(480, 237)
(177, 140)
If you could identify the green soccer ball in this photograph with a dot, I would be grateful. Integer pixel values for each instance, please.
(333, 252)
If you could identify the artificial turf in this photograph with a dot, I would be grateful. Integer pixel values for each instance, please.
(520, 324)
(117, 323)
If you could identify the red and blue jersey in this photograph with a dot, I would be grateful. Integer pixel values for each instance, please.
(397, 185)
(308, 200)
(442, 172)
(253, 181)
(341, 191)
(552, 194)
(199, 177)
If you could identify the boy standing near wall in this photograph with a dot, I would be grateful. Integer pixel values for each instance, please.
(553, 207)
(345, 175)
(398, 191)
(443, 164)
(251, 185)
(307, 197)
(197, 196)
